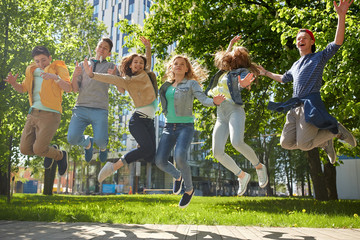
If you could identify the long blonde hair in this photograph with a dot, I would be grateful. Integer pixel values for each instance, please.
(195, 70)
(239, 57)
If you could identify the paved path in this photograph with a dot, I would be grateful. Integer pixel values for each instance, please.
(53, 230)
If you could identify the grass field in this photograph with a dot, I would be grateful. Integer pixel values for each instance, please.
(163, 209)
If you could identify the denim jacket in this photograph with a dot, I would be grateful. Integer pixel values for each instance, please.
(232, 83)
(184, 96)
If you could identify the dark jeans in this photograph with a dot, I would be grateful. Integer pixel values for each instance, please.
(143, 130)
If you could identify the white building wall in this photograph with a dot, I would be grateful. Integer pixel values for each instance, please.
(348, 179)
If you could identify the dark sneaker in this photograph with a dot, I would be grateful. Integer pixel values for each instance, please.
(103, 155)
(346, 135)
(178, 186)
(330, 151)
(185, 200)
(89, 152)
(48, 162)
(63, 163)
(243, 182)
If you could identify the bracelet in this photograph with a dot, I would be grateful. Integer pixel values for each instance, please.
(266, 73)
(58, 79)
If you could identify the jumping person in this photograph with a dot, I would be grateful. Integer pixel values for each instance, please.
(45, 82)
(142, 87)
(177, 96)
(308, 124)
(237, 72)
(92, 104)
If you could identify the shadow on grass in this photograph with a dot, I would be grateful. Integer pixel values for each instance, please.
(45, 230)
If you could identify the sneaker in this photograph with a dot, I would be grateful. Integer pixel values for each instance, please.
(106, 171)
(48, 162)
(185, 200)
(63, 163)
(330, 151)
(89, 152)
(243, 182)
(103, 155)
(178, 186)
(346, 135)
(262, 176)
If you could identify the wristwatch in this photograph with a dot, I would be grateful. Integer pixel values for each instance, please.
(58, 79)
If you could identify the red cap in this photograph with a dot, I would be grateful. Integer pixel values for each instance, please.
(310, 33)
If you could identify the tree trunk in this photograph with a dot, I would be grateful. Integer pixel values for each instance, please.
(9, 170)
(49, 178)
(309, 184)
(317, 175)
(330, 179)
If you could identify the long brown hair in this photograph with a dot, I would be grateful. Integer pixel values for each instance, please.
(124, 67)
(239, 57)
(195, 71)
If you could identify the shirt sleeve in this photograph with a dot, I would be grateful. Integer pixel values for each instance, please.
(200, 95)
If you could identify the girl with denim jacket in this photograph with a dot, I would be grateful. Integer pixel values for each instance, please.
(142, 87)
(236, 73)
(177, 96)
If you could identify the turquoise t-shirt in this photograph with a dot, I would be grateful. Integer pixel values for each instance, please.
(171, 115)
(36, 90)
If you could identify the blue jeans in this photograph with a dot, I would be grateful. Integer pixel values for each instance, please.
(143, 130)
(179, 134)
(81, 118)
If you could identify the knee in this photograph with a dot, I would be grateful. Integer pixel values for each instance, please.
(218, 153)
(40, 150)
(286, 144)
(73, 139)
(26, 150)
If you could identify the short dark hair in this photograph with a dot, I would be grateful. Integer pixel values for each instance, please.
(109, 41)
(38, 50)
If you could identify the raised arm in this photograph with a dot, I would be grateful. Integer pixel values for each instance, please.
(75, 77)
(12, 81)
(232, 42)
(147, 45)
(264, 72)
(341, 11)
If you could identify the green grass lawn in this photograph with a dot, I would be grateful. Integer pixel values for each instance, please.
(163, 209)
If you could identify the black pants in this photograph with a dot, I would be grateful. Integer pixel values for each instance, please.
(143, 130)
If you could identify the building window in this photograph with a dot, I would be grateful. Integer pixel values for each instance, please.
(96, 9)
(131, 6)
(119, 11)
(106, 4)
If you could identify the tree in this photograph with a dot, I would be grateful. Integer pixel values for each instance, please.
(200, 28)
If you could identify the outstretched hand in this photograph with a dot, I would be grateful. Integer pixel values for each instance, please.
(145, 41)
(343, 6)
(78, 70)
(235, 39)
(87, 68)
(262, 70)
(246, 82)
(112, 71)
(218, 99)
(48, 76)
(11, 79)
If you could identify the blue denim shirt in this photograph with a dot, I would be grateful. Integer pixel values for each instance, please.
(314, 110)
(232, 83)
(184, 96)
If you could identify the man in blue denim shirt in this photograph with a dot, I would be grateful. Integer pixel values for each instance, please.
(308, 124)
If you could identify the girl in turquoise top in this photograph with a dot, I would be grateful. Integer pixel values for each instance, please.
(177, 96)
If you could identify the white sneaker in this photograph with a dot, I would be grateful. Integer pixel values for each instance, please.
(346, 135)
(262, 176)
(106, 171)
(330, 151)
(243, 182)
